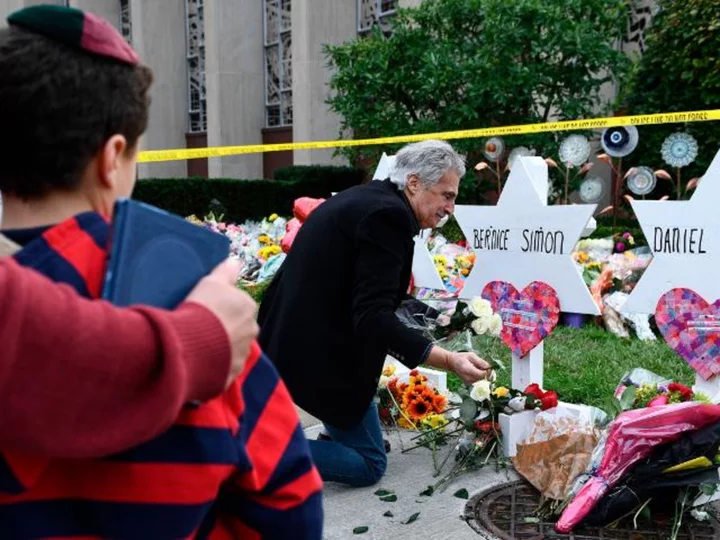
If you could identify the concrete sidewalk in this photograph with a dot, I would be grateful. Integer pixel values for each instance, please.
(407, 476)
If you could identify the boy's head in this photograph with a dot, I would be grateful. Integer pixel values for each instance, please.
(74, 101)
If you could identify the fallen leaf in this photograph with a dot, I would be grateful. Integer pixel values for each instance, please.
(360, 530)
(389, 498)
(461, 494)
(388, 514)
(412, 518)
(428, 492)
(382, 492)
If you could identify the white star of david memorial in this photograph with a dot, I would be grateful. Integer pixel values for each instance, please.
(684, 237)
(521, 239)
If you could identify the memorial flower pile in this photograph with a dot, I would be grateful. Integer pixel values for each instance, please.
(255, 243)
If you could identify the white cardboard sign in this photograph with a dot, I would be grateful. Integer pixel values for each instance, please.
(684, 237)
(521, 239)
(384, 167)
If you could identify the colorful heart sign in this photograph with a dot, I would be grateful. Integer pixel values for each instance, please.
(528, 316)
(691, 327)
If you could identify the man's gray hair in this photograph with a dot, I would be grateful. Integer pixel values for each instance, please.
(428, 160)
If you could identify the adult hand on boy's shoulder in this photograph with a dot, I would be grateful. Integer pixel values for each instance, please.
(235, 309)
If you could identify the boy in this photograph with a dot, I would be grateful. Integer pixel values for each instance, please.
(74, 98)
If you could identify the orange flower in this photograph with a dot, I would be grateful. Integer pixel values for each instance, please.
(439, 403)
(419, 408)
(417, 378)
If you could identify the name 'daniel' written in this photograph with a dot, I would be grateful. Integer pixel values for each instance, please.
(531, 240)
(678, 240)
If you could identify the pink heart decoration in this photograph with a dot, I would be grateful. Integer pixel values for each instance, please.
(528, 316)
(691, 327)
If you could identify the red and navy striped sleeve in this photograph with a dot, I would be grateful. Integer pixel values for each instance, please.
(279, 494)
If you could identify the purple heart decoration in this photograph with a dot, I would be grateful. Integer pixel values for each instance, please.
(528, 316)
(691, 327)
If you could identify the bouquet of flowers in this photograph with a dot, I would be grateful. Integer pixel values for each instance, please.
(641, 388)
(479, 434)
(410, 404)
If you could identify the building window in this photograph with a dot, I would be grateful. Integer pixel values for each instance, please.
(278, 63)
(372, 12)
(125, 21)
(195, 37)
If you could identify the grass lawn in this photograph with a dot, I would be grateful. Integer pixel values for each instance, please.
(585, 365)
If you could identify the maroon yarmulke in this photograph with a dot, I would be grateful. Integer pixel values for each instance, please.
(76, 28)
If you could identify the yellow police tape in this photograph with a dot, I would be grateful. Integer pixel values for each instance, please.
(570, 125)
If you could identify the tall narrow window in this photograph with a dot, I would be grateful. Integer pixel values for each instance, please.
(125, 20)
(195, 32)
(278, 63)
(372, 12)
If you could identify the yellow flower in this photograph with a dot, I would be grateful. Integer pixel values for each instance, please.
(273, 217)
(193, 219)
(434, 421)
(440, 260)
(269, 251)
(389, 370)
(264, 239)
(501, 391)
(582, 257)
(404, 423)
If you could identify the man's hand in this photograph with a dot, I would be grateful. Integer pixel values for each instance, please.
(235, 309)
(468, 366)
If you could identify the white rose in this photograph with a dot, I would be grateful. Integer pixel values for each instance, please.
(480, 307)
(480, 326)
(480, 391)
(495, 325)
(517, 404)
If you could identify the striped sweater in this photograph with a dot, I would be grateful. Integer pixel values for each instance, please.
(237, 466)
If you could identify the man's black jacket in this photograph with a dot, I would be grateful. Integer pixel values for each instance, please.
(328, 318)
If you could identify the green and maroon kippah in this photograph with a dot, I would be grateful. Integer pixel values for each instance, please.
(76, 28)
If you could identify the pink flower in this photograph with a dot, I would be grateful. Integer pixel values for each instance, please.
(626, 235)
(620, 247)
(658, 401)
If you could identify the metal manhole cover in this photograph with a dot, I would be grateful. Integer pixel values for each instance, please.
(502, 511)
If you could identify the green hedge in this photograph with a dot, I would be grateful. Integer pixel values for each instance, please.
(304, 173)
(238, 200)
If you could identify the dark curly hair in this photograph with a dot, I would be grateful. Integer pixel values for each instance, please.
(59, 106)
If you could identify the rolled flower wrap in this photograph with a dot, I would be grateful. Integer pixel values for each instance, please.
(630, 438)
